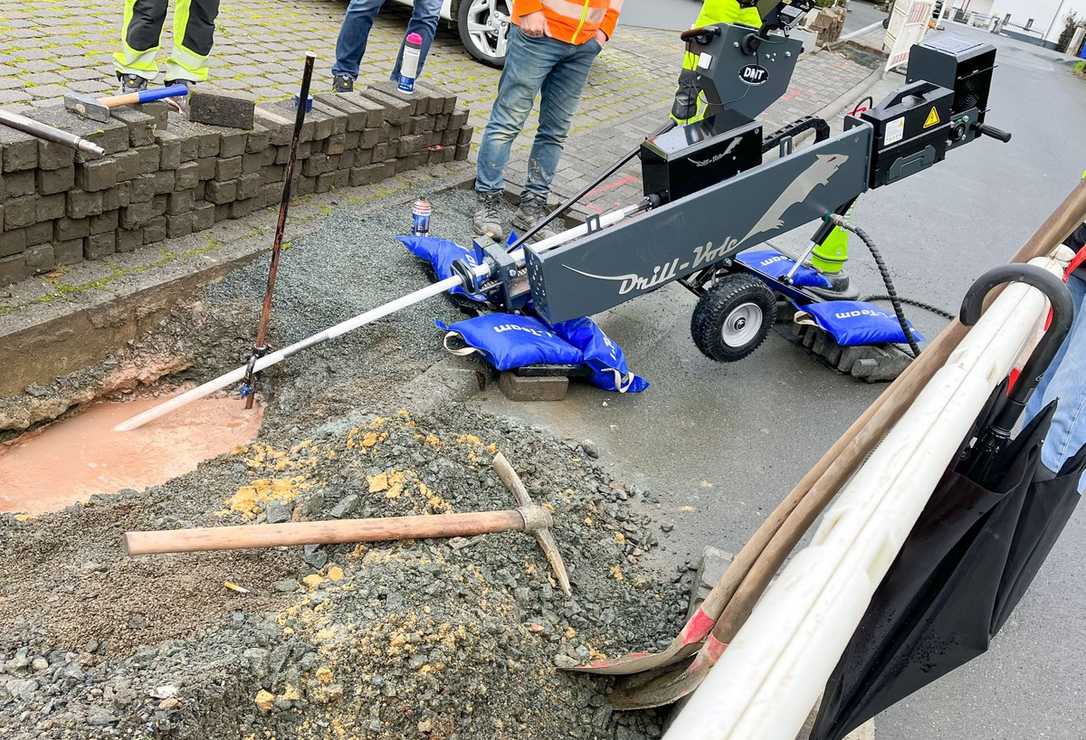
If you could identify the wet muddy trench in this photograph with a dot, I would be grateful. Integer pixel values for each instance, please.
(64, 449)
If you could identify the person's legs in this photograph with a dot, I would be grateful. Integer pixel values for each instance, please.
(527, 66)
(1065, 382)
(353, 35)
(140, 32)
(561, 94)
(193, 37)
(424, 19)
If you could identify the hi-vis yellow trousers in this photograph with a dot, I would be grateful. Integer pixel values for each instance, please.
(193, 37)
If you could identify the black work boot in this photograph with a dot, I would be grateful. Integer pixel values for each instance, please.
(487, 219)
(342, 84)
(131, 83)
(533, 209)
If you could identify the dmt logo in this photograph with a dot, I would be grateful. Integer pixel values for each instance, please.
(754, 74)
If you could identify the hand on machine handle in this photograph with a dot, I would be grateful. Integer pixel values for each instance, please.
(995, 133)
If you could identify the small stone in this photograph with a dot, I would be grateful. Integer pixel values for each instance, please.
(39, 664)
(417, 661)
(37, 391)
(667, 527)
(314, 556)
(164, 692)
(564, 662)
(278, 512)
(264, 700)
(313, 581)
(100, 716)
(286, 586)
(344, 507)
(170, 703)
(590, 449)
(24, 688)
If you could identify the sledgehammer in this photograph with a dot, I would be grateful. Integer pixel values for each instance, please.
(97, 109)
(527, 518)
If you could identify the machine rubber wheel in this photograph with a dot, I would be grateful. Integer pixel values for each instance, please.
(733, 318)
(484, 26)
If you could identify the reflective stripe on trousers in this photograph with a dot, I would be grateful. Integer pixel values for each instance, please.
(193, 38)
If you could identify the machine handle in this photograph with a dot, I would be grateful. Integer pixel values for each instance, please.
(995, 133)
(694, 33)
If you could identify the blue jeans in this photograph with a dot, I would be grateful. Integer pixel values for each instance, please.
(1065, 382)
(532, 66)
(355, 32)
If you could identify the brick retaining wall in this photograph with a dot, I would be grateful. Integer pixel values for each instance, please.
(164, 176)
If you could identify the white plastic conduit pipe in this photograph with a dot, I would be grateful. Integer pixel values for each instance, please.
(236, 376)
(772, 674)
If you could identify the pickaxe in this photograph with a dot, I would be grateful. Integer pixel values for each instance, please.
(98, 109)
(527, 518)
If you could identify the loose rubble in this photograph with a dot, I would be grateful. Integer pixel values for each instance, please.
(431, 639)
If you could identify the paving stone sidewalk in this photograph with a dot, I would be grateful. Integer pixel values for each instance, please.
(49, 47)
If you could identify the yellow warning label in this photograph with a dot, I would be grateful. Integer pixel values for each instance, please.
(933, 119)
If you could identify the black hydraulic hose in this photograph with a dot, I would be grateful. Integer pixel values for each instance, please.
(891, 291)
(941, 313)
(571, 201)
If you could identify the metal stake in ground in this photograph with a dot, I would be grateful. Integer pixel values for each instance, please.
(260, 347)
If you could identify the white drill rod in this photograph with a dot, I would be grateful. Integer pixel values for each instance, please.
(411, 299)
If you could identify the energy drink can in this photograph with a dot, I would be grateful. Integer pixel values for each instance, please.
(420, 217)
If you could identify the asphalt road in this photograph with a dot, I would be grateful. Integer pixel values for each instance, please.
(721, 445)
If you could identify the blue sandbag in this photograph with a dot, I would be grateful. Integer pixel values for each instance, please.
(855, 323)
(509, 341)
(603, 357)
(776, 265)
(440, 254)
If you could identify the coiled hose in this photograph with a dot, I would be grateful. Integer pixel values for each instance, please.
(891, 291)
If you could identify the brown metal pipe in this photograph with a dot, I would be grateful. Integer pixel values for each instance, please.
(324, 533)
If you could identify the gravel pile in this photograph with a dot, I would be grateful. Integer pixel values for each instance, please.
(428, 639)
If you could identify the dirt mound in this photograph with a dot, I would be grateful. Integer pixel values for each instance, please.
(429, 639)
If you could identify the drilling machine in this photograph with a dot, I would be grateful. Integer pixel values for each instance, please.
(719, 187)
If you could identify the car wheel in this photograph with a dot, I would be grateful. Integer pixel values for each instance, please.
(484, 29)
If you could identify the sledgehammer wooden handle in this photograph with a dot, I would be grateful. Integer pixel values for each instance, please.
(331, 532)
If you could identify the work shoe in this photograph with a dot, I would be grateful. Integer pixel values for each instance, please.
(131, 83)
(342, 84)
(180, 104)
(487, 219)
(531, 211)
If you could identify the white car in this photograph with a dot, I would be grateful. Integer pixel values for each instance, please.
(482, 24)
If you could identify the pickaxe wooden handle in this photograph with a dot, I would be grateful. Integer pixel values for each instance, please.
(531, 518)
(543, 535)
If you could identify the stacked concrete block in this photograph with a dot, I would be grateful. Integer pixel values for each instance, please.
(166, 176)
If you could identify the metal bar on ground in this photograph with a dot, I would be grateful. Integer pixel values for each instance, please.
(49, 133)
(260, 345)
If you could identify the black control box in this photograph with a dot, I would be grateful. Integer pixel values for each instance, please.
(959, 64)
(912, 131)
(688, 159)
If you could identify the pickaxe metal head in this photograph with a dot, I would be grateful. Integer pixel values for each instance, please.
(536, 520)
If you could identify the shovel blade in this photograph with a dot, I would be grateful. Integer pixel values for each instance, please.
(628, 665)
(666, 687)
